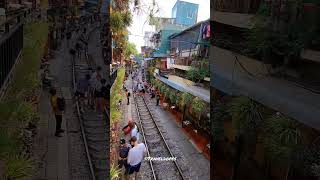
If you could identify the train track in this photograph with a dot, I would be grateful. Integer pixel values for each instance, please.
(94, 130)
(156, 144)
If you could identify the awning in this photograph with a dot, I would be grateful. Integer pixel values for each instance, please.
(148, 59)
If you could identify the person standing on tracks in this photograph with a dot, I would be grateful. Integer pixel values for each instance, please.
(128, 96)
(123, 156)
(104, 94)
(84, 40)
(95, 83)
(83, 90)
(135, 156)
(158, 99)
(78, 49)
(56, 104)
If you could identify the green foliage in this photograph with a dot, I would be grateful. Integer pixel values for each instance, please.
(115, 96)
(114, 172)
(26, 113)
(116, 23)
(198, 105)
(130, 49)
(192, 74)
(13, 108)
(127, 19)
(18, 168)
(163, 89)
(167, 93)
(196, 74)
(186, 98)
(178, 98)
(173, 97)
(282, 137)
(219, 113)
(8, 144)
(120, 21)
(245, 115)
(274, 41)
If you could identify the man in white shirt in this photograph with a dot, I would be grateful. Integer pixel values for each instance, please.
(135, 132)
(135, 156)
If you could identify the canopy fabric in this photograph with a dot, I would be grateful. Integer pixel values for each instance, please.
(148, 59)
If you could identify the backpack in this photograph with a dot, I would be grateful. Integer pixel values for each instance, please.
(61, 103)
(123, 152)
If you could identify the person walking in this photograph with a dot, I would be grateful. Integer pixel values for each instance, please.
(83, 90)
(158, 99)
(135, 156)
(128, 96)
(96, 86)
(57, 107)
(78, 49)
(105, 94)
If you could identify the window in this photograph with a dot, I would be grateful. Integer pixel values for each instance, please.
(190, 15)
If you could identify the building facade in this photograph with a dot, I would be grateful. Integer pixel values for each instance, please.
(185, 13)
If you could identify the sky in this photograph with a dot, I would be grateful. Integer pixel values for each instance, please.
(139, 24)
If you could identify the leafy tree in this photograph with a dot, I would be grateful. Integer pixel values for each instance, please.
(130, 49)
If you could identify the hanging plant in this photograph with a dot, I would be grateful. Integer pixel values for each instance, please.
(178, 98)
(167, 93)
(219, 114)
(163, 89)
(198, 105)
(186, 98)
(173, 97)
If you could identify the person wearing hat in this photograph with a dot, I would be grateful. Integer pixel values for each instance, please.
(123, 155)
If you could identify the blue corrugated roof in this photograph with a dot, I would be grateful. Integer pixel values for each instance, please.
(184, 89)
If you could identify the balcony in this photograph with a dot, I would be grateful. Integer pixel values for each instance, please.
(276, 93)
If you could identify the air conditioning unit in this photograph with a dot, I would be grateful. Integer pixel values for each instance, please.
(2, 12)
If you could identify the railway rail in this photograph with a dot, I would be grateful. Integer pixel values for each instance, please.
(94, 129)
(156, 144)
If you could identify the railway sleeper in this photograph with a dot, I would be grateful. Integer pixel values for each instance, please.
(95, 124)
(96, 148)
(100, 164)
(97, 138)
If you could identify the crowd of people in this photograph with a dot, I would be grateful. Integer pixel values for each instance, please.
(92, 90)
(132, 154)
